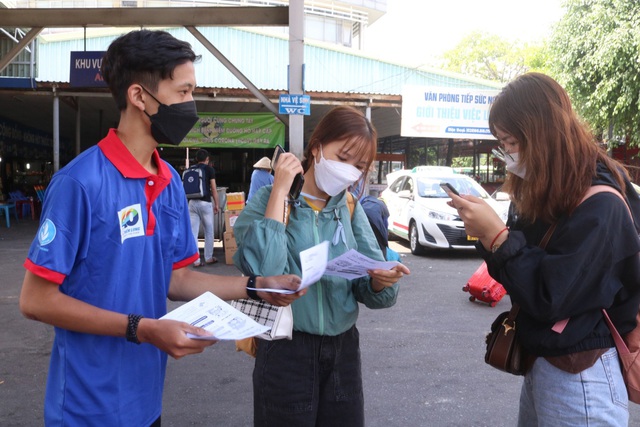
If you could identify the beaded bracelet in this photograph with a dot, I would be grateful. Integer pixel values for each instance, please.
(251, 292)
(132, 328)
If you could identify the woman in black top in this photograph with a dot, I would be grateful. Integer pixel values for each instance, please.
(591, 261)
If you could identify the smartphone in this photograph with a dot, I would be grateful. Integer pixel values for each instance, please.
(448, 188)
(276, 153)
(298, 181)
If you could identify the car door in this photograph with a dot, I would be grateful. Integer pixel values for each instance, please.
(406, 202)
(394, 202)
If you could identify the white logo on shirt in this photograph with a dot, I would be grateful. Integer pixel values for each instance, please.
(47, 232)
(130, 219)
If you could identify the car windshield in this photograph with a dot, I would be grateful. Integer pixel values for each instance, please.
(430, 186)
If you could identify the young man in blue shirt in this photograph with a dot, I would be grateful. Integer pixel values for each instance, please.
(115, 242)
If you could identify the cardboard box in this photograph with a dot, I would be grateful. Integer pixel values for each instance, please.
(230, 219)
(228, 254)
(235, 201)
(230, 247)
(229, 240)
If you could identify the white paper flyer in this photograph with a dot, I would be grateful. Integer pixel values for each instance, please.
(216, 316)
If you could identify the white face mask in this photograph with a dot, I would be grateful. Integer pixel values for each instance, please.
(514, 166)
(332, 176)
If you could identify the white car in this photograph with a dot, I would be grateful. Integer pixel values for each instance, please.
(418, 210)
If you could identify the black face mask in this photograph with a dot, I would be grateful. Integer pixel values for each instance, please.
(172, 122)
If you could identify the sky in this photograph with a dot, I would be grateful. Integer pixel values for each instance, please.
(416, 32)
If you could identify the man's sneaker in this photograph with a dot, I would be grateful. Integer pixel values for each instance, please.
(211, 260)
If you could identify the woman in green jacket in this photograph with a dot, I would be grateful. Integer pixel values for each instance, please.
(315, 378)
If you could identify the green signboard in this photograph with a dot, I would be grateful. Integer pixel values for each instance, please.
(236, 130)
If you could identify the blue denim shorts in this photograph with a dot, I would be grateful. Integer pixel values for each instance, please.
(596, 396)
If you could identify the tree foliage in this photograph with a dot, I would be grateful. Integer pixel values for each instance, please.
(418, 155)
(490, 57)
(595, 50)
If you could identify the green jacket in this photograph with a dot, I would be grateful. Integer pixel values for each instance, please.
(330, 306)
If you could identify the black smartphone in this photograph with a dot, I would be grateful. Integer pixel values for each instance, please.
(276, 153)
(448, 188)
(298, 181)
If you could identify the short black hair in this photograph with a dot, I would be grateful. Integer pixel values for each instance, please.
(201, 155)
(145, 57)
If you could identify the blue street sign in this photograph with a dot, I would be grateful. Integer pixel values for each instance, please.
(295, 104)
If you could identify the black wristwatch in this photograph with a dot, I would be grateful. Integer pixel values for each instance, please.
(252, 293)
(132, 328)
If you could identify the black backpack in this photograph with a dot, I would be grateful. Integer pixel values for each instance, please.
(193, 182)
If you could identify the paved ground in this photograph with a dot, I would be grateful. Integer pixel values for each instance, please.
(422, 359)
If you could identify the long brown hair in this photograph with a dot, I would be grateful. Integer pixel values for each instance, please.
(340, 124)
(556, 147)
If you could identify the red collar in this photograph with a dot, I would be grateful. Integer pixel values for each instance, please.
(123, 160)
(116, 152)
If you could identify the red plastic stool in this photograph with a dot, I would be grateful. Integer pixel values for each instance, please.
(21, 205)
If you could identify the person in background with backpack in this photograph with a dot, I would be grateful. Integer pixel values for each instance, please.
(590, 262)
(201, 209)
(315, 378)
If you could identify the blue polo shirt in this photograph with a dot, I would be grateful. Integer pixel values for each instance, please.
(110, 235)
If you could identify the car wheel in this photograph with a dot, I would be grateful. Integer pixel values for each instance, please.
(416, 247)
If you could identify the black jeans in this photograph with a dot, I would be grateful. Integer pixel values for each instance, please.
(311, 381)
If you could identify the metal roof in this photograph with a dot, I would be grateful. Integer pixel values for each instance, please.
(264, 58)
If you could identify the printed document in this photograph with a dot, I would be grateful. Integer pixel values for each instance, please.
(216, 316)
(352, 264)
(313, 262)
(349, 265)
